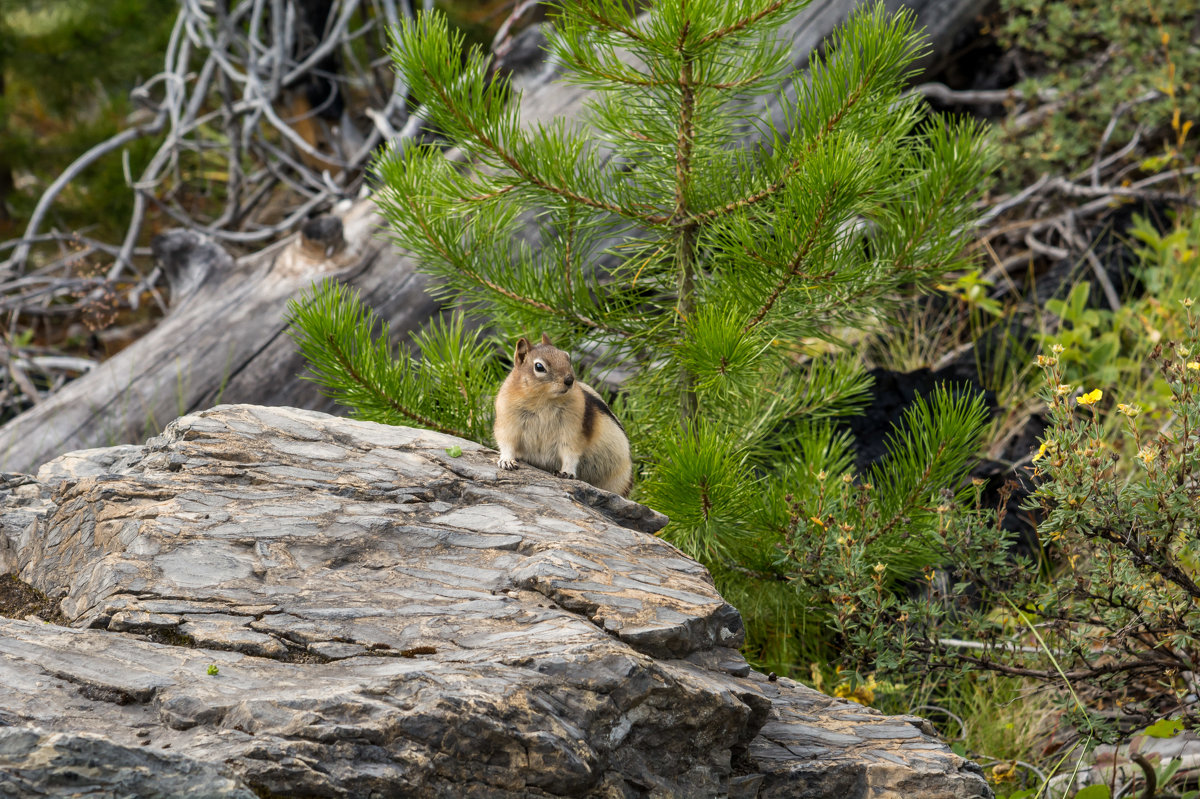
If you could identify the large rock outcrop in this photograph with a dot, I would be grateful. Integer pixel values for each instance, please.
(267, 601)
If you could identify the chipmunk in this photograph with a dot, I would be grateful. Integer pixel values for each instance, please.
(547, 418)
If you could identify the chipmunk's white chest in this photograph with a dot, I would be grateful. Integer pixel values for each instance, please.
(542, 434)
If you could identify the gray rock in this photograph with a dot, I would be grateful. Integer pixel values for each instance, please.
(385, 619)
(35, 762)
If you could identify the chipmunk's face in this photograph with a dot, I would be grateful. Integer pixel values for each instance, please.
(544, 368)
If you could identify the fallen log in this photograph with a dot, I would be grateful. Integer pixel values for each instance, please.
(224, 339)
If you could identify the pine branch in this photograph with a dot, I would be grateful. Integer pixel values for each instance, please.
(900, 262)
(605, 22)
(798, 261)
(660, 83)
(334, 332)
(745, 22)
(463, 267)
(795, 164)
(490, 195)
(686, 231)
(568, 254)
(851, 99)
(373, 389)
(930, 450)
(521, 169)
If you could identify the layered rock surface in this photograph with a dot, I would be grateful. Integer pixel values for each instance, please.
(386, 619)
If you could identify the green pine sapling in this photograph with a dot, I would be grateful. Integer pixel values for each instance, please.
(715, 257)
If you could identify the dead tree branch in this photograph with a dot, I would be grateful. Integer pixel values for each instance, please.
(255, 97)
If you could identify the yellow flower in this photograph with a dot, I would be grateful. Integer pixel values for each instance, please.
(1057, 349)
(1041, 453)
(1146, 455)
(817, 521)
(1091, 398)
(1129, 410)
(1043, 360)
(1062, 390)
(1194, 366)
(880, 568)
(1005, 772)
(863, 693)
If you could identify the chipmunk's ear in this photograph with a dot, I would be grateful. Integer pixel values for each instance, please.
(546, 341)
(522, 351)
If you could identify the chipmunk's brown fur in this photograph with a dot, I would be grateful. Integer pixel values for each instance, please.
(547, 418)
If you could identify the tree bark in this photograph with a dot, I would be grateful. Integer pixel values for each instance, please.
(224, 339)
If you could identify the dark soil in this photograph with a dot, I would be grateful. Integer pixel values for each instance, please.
(19, 599)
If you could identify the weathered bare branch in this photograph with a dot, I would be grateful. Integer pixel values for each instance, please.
(235, 91)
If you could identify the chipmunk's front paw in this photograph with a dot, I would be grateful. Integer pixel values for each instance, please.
(568, 475)
(508, 464)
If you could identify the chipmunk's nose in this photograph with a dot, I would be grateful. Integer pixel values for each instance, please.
(569, 381)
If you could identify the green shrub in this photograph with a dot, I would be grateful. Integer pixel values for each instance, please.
(1128, 62)
(1112, 348)
(1105, 609)
(1119, 608)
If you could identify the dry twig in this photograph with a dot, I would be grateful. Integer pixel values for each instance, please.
(226, 105)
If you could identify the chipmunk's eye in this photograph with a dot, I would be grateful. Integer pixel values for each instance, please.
(538, 366)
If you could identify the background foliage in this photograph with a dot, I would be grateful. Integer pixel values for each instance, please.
(66, 69)
(1111, 71)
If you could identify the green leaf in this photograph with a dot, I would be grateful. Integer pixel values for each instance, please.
(1077, 301)
(1169, 770)
(1164, 728)
(1156, 163)
(1094, 792)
